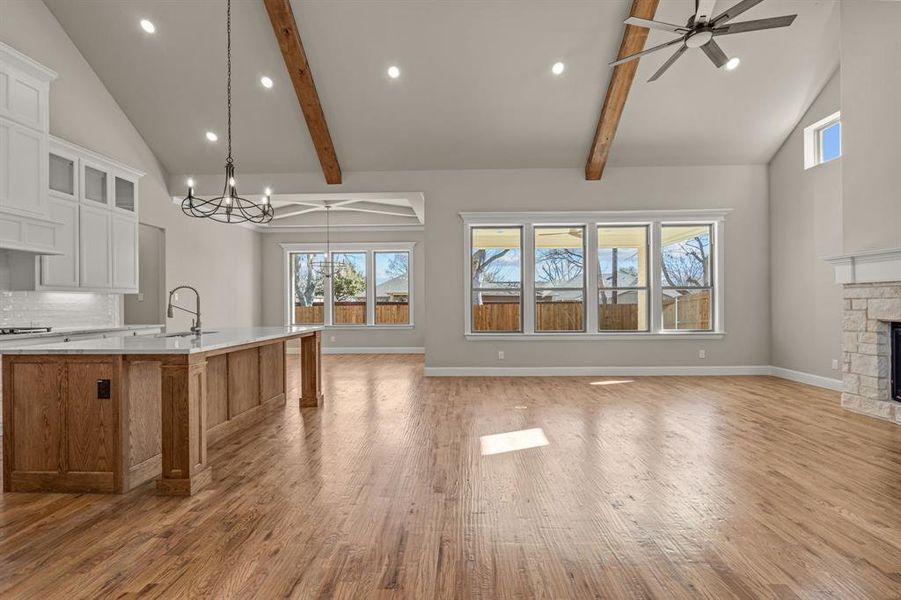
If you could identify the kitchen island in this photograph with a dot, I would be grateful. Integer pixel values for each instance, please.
(107, 415)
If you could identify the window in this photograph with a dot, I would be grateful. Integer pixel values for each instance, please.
(594, 274)
(687, 284)
(309, 289)
(623, 278)
(559, 278)
(496, 279)
(372, 287)
(349, 288)
(823, 141)
(829, 141)
(392, 288)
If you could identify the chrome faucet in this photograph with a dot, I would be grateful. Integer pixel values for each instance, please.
(195, 323)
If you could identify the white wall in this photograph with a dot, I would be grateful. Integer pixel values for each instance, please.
(210, 256)
(871, 124)
(805, 226)
(275, 295)
(447, 193)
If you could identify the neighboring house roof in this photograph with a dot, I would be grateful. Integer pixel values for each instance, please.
(395, 285)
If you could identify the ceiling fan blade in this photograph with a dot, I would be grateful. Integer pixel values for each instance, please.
(703, 11)
(736, 10)
(643, 52)
(715, 53)
(756, 25)
(668, 63)
(637, 22)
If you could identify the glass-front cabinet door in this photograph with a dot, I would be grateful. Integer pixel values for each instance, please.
(63, 171)
(124, 194)
(95, 185)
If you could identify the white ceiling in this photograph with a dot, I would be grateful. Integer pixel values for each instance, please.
(475, 89)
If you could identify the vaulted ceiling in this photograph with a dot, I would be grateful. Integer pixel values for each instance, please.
(475, 91)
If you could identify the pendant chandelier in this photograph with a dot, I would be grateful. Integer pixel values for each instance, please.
(229, 207)
(328, 267)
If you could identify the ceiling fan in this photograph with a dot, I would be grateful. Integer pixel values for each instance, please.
(700, 31)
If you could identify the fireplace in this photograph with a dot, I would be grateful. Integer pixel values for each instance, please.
(895, 344)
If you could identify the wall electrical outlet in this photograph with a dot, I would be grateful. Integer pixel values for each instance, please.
(702, 354)
(140, 296)
(332, 339)
(835, 364)
(500, 355)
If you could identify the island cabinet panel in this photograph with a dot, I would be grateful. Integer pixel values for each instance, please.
(144, 393)
(217, 390)
(63, 432)
(37, 409)
(243, 381)
(272, 371)
(91, 420)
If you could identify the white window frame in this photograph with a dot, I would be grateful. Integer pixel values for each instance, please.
(813, 141)
(591, 221)
(369, 249)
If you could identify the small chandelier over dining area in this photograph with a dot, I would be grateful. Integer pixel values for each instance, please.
(328, 267)
(229, 207)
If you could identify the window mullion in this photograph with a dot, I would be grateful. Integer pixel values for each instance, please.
(328, 296)
(528, 279)
(370, 287)
(591, 278)
(654, 279)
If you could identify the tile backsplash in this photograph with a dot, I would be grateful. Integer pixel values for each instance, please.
(59, 309)
(53, 309)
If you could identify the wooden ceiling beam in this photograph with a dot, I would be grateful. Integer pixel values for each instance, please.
(288, 35)
(634, 39)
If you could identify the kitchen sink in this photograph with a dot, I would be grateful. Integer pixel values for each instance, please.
(181, 334)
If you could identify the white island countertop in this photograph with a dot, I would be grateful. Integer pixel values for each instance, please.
(215, 339)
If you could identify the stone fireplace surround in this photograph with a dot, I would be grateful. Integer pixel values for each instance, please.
(872, 302)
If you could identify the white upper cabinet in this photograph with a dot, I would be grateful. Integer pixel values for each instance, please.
(24, 169)
(24, 89)
(95, 248)
(125, 256)
(95, 199)
(61, 272)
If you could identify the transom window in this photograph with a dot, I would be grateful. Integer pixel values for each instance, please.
(372, 286)
(823, 141)
(651, 273)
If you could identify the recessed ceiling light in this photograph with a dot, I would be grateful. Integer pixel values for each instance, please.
(211, 136)
(558, 68)
(148, 26)
(266, 81)
(393, 72)
(733, 63)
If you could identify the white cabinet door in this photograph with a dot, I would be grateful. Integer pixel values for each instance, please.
(23, 169)
(94, 248)
(62, 271)
(125, 253)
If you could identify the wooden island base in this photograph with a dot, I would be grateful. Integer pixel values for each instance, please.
(110, 422)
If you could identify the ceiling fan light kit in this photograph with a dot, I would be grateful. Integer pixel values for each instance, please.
(700, 31)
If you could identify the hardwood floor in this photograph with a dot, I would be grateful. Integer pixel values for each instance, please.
(739, 487)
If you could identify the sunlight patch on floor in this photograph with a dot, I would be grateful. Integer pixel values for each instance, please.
(498, 443)
(613, 382)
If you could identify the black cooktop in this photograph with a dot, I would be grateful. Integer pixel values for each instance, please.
(6, 330)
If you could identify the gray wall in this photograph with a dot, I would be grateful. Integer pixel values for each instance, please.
(275, 294)
(871, 126)
(805, 226)
(210, 256)
(447, 193)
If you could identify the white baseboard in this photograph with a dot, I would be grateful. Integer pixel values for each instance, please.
(375, 350)
(808, 378)
(591, 371)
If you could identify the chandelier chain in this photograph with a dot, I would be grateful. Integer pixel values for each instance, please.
(228, 53)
